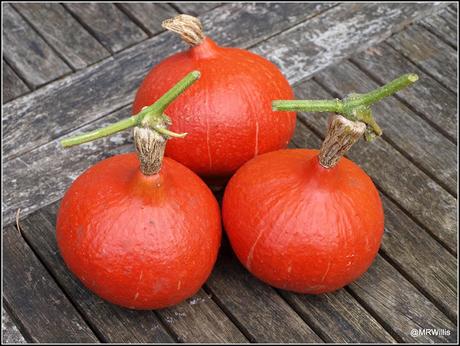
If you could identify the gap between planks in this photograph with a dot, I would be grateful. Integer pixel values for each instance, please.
(17, 322)
(407, 104)
(439, 79)
(423, 291)
(372, 312)
(229, 314)
(71, 302)
(277, 33)
(57, 52)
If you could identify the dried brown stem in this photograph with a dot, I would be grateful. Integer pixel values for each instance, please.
(188, 27)
(341, 135)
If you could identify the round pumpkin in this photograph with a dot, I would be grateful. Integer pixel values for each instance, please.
(227, 114)
(300, 226)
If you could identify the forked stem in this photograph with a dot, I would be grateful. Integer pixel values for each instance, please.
(152, 116)
(355, 107)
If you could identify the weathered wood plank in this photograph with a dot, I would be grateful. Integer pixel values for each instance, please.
(148, 15)
(440, 25)
(338, 317)
(450, 16)
(432, 55)
(108, 24)
(427, 97)
(196, 8)
(27, 52)
(64, 33)
(31, 185)
(253, 23)
(259, 310)
(13, 86)
(116, 324)
(40, 305)
(426, 201)
(388, 294)
(336, 34)
(89, 94)
(199, 319)
(411, 134)
(406, 244)
(10, 333)
(429, 266)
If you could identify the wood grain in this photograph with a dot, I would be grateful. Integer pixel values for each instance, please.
(427, 97)
(405, 244)
(64, 33)
(115, 324)
(338, 317)
(442, 24)
(148, 15)
(10, 333)
(13, 86)
(40, 305)
(27, 52)
(256, 22)
(196, 8)
(412, 135)
(200, 320)
(414, 191)
(432, 55)
(453, 8)
(385, 292)
(108, 24)
(336, 34)
(450, 16)
(259, 310)
(428, 265)
(41, 177)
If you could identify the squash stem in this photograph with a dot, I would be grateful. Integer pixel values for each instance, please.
(150, 116)
(99, 133)
(355, 107)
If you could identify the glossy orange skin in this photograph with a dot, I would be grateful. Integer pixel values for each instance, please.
(226, 113)
(137, 241)
(299, 226)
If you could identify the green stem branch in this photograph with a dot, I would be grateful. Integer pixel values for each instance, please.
(355, 107)
(99, 133)
(150, 116)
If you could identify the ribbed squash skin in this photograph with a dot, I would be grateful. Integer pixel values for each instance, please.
(301, 227)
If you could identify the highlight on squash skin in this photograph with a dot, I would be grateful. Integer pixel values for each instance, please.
(310, 221)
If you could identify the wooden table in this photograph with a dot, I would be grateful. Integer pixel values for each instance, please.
(75, 67)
